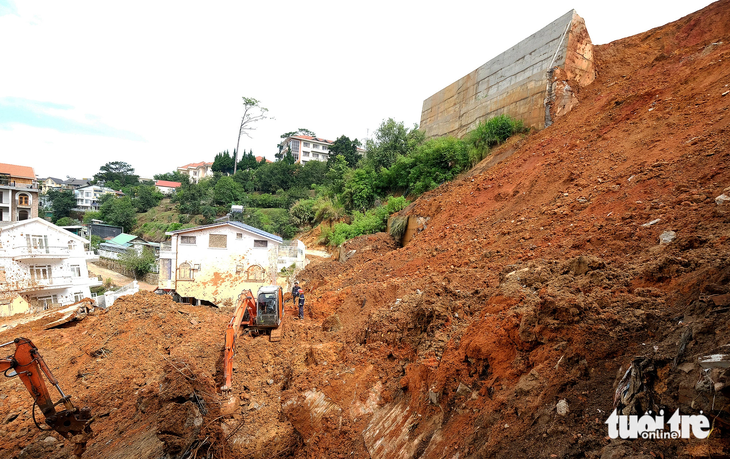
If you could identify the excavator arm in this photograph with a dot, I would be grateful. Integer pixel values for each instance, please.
(245, 303)
(27, 364)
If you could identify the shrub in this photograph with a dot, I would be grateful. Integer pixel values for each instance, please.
(491, 132)
(302, 212)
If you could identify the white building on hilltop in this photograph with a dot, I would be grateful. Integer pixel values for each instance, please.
(306, 148)
(41, 265)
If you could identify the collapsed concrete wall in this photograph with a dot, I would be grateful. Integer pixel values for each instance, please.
(520, 82)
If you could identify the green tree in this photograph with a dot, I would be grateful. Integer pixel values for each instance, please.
(116, 171)
(67, 221)
(139, 263)
(226, 191)
(253, 112)
(247, 162)
(62, 202)
(392, 139)
(174, 176)
(347, 148)
(223, 163)
(119, 212)
(146, 197)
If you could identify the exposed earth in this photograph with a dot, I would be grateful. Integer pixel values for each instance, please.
(503, 329)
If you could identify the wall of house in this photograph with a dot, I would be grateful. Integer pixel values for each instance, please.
(15, 305)
(221, 272)
(513, 83)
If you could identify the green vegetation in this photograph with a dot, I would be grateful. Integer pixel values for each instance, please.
(344, 195)
(139, 264)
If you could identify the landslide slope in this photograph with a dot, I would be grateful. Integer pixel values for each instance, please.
(540, 277)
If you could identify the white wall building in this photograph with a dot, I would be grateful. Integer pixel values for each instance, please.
(197, 171)
(44, 264)
(306, 148)
(87, 198)
(166, 187)
(215, 262)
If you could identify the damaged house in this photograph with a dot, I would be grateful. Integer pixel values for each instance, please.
(211, 264)
(42, 265)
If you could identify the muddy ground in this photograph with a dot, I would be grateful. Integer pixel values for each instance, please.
(503, 329)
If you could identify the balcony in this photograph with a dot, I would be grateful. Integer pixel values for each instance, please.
(21, 186)
(48, 253)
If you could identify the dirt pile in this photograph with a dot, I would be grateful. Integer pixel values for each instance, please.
(581, 264)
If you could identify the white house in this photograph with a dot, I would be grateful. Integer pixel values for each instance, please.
(43, 265)
(197, 171)
(166, 187)
(213, 263)
(87, 198)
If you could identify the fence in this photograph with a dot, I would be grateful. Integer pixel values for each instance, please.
(109, 297)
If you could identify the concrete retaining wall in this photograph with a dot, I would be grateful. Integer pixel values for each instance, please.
(516, 82)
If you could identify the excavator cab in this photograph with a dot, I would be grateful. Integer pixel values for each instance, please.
(269, 306)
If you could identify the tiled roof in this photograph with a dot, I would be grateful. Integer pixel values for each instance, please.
(168, 184)
(195, 165)
(259, 158)
(123, 238)
(17, 171)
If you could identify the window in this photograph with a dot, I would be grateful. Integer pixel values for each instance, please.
(294, 145)
(324, 148)
(260, 243)
(36, 243)
(239, 235)
(316, 147)
(315, 156)
(75, 270)
(184, 272)
(78, 296)
(47, 301)
(187, 240)
(23, 200)
(71, 245)
(87, 194)
(239, 269)
(307, 145)
(306, 153)
(218, 241)
(40, 272)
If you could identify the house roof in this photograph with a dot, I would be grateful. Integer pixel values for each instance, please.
(56, 180)
(49, 225)
(76, 182)
(17, 171)
(123, 238)
(259, 158)
(195, 165)
(168, 184)
(239, 225)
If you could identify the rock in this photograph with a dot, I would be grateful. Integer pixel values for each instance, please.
(332, 324)
(562, 407)
(253, 406)
(433, 397)
(667, 237)
(653, 222)
(722, 199)
(49, 440)
(10, 418)
(269, 382)
(528, 383)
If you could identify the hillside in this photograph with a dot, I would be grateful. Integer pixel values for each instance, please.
(503, 329)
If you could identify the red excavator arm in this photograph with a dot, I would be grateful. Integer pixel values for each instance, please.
(245, 313)
(27, 364)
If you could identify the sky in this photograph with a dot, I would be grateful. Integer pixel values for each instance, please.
(159, 84)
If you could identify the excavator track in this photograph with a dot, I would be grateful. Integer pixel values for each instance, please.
(276, 333)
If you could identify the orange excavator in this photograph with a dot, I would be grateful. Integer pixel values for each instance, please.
(262, 314)
(26, 363)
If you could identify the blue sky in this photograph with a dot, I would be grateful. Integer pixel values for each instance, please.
(159, 84)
